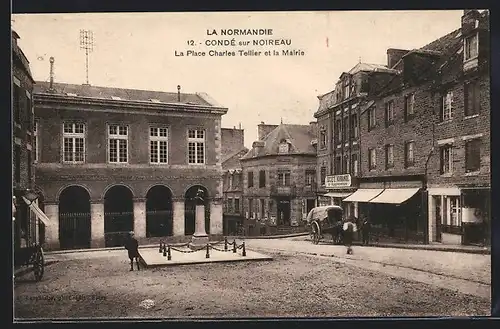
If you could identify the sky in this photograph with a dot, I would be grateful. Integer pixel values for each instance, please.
(137, 50)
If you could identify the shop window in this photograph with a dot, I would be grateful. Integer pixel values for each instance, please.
(452, 222)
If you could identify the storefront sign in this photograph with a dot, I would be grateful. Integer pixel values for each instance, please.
(338, 181)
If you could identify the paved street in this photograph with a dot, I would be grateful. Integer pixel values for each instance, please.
(372, 282)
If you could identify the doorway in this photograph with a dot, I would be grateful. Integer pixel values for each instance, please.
(284, 211)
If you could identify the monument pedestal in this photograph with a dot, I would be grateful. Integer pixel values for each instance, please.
(200, 237)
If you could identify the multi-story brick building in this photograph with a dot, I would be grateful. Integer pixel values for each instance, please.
(233, 148)
(114, 160)
(23, 155)
(279, 178)
(425, 140)
(338, 131)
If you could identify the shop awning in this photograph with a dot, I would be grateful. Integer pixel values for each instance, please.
(38, 212)
(337, 194)
(395, 195)
(364, 195)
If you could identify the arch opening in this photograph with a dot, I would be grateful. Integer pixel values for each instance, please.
(74, 218)
(118, 215)
(159, 215)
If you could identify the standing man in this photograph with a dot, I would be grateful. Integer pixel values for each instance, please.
(365, 230)
(349, 229)
(132, 247)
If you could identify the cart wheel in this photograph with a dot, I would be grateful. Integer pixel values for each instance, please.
(38, 264)
(315, 233)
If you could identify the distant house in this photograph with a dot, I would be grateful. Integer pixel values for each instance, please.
(113, 160)
(279, 182)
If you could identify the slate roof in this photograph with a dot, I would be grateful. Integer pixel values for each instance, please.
(366, 67)
(232, 161)
(18, 52)
(299, 137)
(124, 94)
(441, 52)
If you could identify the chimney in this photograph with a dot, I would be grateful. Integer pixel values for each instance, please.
(51, 84)
(394, 55)
(313, 127)
(178, 93)
(470, 20)
(264, 130)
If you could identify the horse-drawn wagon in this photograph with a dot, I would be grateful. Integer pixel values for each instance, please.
(325, 220)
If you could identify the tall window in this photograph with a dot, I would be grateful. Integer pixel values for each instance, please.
(262, 178)
(471, 47)
(250, 179)
(250, 207)
(338, 129)
(371, 118)
(409, 106)
(284, 178)
(322, 138)
(354, 164)
(158, 145)
(347, 89)
(389, 113)
(345, 129)
(446, 159)
(230, 205)
(35, 142)
(472, 100)
(409, 154)
(372, 159)
(237, 205)
(17, 163)
(74, 142)
(447, 107)
(338, 165)
(322, 175)
(473, 155)
(354, 126)
(345, 164)
(196, 146)
(118, 143)
(389, 156)
(310, 177)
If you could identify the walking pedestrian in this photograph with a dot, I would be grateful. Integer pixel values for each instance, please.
(349, 228)
(365, 230)
(132, 247)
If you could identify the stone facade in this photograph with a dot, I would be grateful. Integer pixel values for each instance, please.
(139, 174)
(23, 155)
(425, 105)
(275, 188)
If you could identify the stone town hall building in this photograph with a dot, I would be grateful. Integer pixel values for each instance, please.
(112, 160)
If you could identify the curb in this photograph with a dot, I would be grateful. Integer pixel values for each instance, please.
(62, 252)
(284, 236)
(426, 247)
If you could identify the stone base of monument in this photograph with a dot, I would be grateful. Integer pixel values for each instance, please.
(151, 257)
(198, 241)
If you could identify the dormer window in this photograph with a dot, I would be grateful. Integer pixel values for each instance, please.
(284, 147)
(347, 89)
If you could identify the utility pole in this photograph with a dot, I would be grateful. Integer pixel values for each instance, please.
(87, 44)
